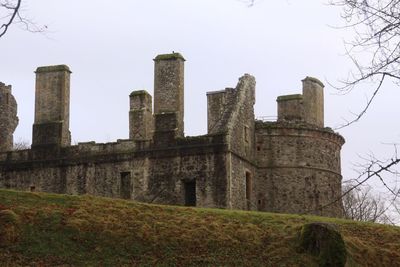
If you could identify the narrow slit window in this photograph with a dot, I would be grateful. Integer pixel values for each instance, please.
(126, 185)
(246, 134)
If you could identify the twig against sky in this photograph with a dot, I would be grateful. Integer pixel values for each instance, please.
(11, 13)
(375, 48)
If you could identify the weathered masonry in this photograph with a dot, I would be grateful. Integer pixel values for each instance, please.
(289, 165)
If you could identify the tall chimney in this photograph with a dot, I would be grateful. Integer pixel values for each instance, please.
(169, 87)
(51, 126)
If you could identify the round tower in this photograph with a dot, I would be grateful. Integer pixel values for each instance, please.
(8, 117)
(299, 158)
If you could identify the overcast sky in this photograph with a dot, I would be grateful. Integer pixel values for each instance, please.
(109, 46)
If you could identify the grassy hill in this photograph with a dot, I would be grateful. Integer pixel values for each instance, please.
(38, 229)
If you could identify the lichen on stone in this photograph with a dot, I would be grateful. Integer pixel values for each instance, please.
(290, 97)
(314, 80)
(169, 56)
(139, 92)
(54, 68)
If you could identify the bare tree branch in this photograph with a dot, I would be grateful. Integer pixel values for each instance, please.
(13, 13)
(375, 49)
(10, 13)
(250, 3)
(371, 167)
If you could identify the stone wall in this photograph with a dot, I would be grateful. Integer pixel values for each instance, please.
(290, 108)
(298, 168)
(240, 123)
(220, 105)
(205, 166)
(291, 165)
(123, 170)
(242, 191)
(8, 117)
(232, 112)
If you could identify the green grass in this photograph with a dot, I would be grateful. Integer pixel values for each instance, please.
(51, 230)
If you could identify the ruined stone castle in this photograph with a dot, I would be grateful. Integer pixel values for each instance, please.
(291, 165)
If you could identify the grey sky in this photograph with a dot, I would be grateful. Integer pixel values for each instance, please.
(109, 46)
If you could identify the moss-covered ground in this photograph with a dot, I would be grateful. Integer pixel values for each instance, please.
(39, 229)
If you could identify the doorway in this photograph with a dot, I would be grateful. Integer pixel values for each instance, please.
(190, 193)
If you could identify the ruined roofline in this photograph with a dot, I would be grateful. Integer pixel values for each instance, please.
(227, 89)
(54, 68)
(3, 85)
(215, 92)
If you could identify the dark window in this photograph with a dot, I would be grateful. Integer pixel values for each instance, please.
(7, 98)
(126, 185)
(190, 193)
(248, 189)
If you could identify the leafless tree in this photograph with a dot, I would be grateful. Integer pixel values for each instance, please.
(375, 52)
(372, 170)
(361, 204)
(10, 13)
(375, 48)
(21, 145)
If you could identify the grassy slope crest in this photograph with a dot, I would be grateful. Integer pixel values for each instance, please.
(39, 229)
